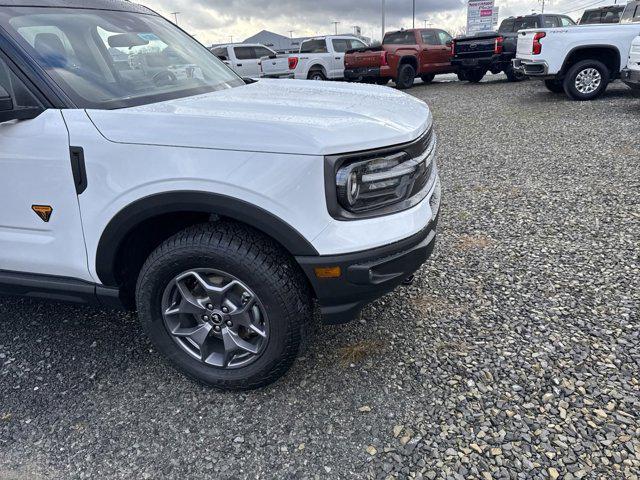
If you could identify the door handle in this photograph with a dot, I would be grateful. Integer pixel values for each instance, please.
(239, 65)
(337, 58)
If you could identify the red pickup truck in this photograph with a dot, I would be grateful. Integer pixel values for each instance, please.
(403, 56)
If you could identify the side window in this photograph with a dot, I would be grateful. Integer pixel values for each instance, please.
(18, 91)
(566, 22)
(263, 52)
(399, 38)
(340, 45)
(430, 37)
(356, 44)
(445, 38)
(551, 22)
(245, 53)
(221, 53)
(507, 25)
(314, 46)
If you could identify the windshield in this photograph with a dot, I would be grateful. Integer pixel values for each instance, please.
(109, 59)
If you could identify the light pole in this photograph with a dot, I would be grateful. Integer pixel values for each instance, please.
(335, 24)
(175, 16)
(383, 13)
(290, 33)
(414, 13)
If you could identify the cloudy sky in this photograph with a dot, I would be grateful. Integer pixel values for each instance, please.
(216, 21)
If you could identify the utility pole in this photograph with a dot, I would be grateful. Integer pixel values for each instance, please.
(543, 2)
(335, 24)
(290, 33)
(175, 16)
(414, 13)
(383, 13)
(231, 37)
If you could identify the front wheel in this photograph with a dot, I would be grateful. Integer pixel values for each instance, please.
(224, 305)
(586, 80)
(406, 76)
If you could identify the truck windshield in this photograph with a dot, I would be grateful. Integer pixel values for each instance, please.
(108, 59)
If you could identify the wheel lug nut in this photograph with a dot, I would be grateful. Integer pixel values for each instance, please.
(229, 323)
(209, 306)
(225, 309)
(217, 328)
(205, 318)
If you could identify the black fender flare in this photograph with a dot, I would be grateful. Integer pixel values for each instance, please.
(189, 201)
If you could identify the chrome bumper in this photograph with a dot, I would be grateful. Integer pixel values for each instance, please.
(531, 68)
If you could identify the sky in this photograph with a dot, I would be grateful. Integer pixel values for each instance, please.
(222, 21)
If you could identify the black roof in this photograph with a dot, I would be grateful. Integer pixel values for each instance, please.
(120, 5)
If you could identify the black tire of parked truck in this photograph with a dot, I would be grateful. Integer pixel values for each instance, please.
(316, 74)
(406, 76)
(475, 75)
(514, 75)
(586, 80)
(382, 81)
(554, 86)
(428, 78)
(225, 305)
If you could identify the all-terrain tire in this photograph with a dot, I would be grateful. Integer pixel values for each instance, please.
(406, 76)
(554, 86)
(577, 90)
(255, 260)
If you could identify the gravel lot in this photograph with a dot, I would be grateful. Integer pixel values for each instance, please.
(516, 354)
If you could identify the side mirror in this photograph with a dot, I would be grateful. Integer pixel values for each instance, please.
(223, 58)
(8, 111)
(6, 100)
(449, 43)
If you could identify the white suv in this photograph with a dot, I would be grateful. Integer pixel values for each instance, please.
(631, 74)
(140, 171)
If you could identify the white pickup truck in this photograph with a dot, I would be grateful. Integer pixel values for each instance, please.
(322, 58)
(579, 60)
(631, 74)
(254, 60)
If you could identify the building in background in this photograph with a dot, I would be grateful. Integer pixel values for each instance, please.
(284, 44)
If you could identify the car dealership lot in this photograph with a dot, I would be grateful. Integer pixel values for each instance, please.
(516, 350)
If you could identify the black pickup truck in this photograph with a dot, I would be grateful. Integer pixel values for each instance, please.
(474, 56)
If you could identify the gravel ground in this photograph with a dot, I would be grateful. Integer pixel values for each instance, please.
(516, 354)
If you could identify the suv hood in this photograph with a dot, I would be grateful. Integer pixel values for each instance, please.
(276, 116)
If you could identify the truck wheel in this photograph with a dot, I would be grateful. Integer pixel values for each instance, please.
(382, 81)
(428, 78)
(554, 86)
(514, 75)
(316, 75)
(475, 76)
(406, 76)
(586, 80)
(224, 305)
(462, 75)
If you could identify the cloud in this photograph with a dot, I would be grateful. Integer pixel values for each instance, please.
(214, 21)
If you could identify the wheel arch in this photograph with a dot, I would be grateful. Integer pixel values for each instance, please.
(411, 60)
(602, 53)
(155, 218)
(317, 66)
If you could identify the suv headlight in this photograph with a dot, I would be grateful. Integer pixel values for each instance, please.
(380, 182)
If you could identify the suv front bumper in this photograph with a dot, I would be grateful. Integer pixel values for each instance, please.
(366, 276)
(631, 77)
(531, 68)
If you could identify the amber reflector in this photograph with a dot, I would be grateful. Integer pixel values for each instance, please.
(328, 272)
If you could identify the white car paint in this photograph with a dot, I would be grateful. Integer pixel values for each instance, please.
(253, 60)
(634, 55)
(263, 143)
(560, 42)
(330, 61)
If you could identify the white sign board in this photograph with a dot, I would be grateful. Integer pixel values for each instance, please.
(482, 16)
